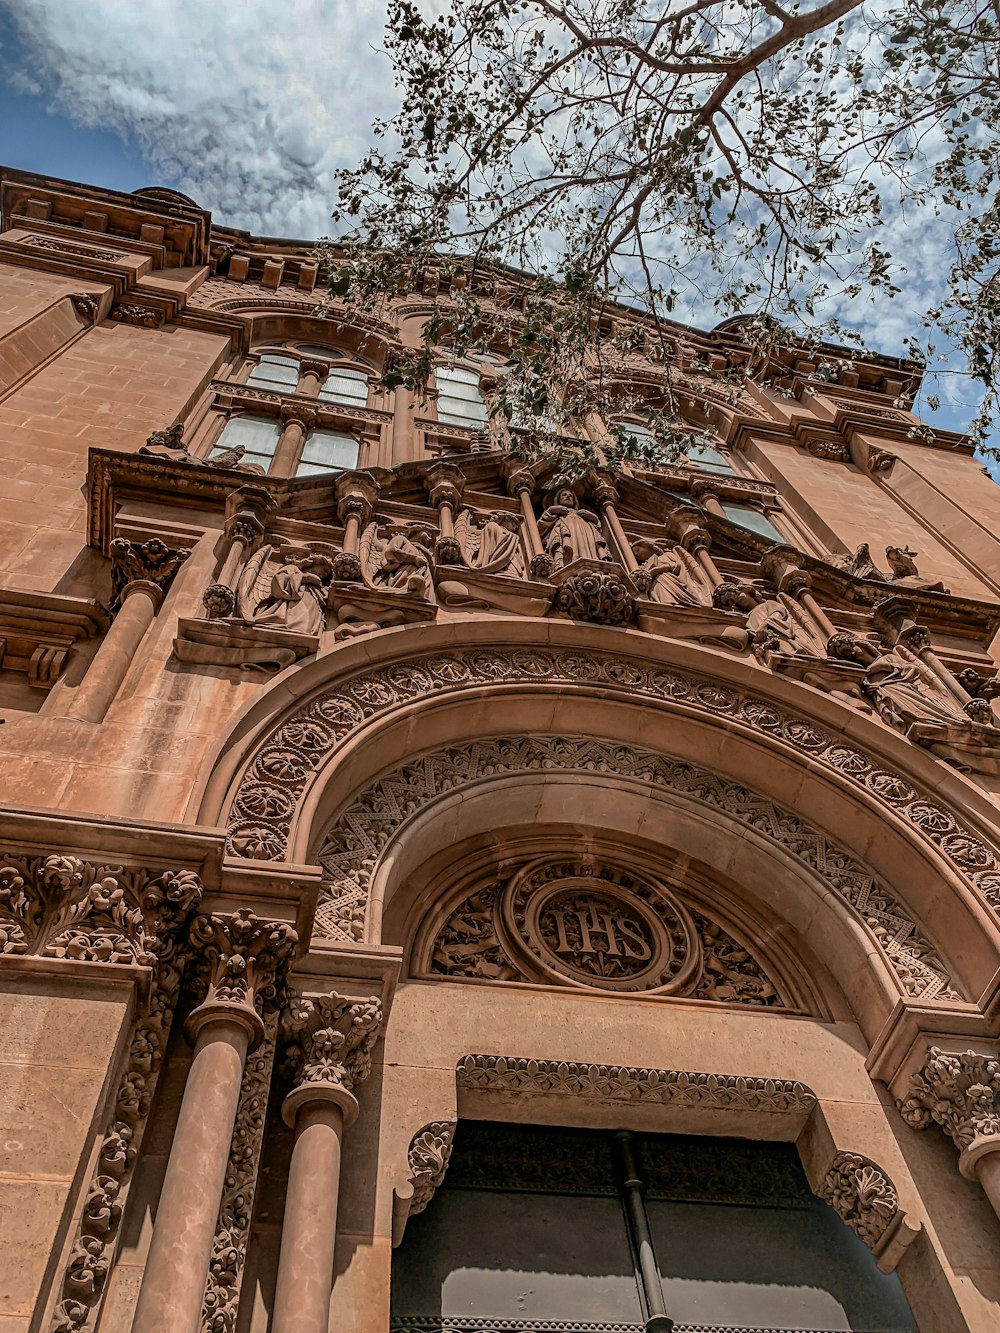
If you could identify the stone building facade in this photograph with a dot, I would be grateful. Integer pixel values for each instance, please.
(432, 898)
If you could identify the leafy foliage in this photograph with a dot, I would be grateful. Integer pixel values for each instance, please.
(740, 155)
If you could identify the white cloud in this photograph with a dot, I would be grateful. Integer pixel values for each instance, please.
(249, 108)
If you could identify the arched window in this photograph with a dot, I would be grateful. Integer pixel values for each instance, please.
(708, 458)
(258, 435)
(327, 451)
(345, 385)
(754, 520)
(460, 399)
(636, 431)
(276, 373)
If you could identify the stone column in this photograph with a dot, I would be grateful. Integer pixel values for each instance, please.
(606, 497)
(688, 532)
(298, 419)
(247, 511)
(445, 483)
(961, 1093)
(330, 1042)
(312, 375)
(781, 564)
(240, 961)
(356, 496)
(521, 483)
(141, 574)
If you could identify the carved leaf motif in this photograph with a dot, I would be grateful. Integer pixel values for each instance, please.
(862, 1195)
(428, 1158)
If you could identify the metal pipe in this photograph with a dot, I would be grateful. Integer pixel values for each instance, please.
(657, 1320)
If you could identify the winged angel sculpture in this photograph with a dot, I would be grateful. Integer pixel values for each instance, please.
(491, 543)
(285, 588)
(400, 561)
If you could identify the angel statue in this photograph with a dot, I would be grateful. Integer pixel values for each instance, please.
(664, 576)
(403, 562)
(491, 543)
(290, 595)
(571, 533)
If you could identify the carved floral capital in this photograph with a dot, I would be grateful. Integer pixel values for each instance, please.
(961, 1093)
(329, 1039)
(149, 562)
(240, 966)
(862, 1195)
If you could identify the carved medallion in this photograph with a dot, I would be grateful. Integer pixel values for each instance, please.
(598, 926)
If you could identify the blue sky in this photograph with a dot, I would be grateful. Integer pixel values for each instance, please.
(252, 118)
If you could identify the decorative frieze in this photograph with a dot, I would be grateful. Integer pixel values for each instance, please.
(621, 1083)
(61, 906)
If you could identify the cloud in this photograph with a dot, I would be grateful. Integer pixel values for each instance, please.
(248, 108)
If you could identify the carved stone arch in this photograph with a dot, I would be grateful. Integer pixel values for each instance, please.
(301, 751)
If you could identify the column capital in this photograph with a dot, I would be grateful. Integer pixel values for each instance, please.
(961, 1093)
(445, 483)
(244, 526)
(150, 562)
(239, 967)
(356, 495)
(604, 491)
(688, 532)
(329, 1041)
(783, 566)
(520, 479)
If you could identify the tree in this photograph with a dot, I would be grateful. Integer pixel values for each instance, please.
(744, 155)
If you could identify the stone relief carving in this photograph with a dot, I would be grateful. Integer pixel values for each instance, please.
(399, 561)
(232, 1232)
(144, 316)
(901, 560)
(171, 896)
(285, 589)
(862, 1195)
(961, 1093)
(288, 758)
(570, 533)
(169, 445)
(661, 1087)
(490, 542)
(608, 929)
(600, 595)
(151, 561)
(60, 906)
(668, 574)
(329, 1039)
(352, 846)
(777, 625)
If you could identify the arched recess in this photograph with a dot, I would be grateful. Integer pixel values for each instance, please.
(322, 733)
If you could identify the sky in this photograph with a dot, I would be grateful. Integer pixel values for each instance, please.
(250, 109)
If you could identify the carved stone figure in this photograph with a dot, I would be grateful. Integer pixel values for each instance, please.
(904, 692)
(491, 542)
(860, 564)
(290, 595)
(777, 626)
(904, 570)
(168, 444)
(403, 562)
(664, 575)
(571, 533)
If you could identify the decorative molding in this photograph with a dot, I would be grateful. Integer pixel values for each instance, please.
(60, 906)
(862, 1195)
(72, 249)
(427, 1160)
(621, 1083)
(299, 744)
(150, 562)
(329, 1039)
(143, 316)
(38, 631)
(232, 1231)
(474, 1324)
(961, 1093)
(353, 845)
(169, 897)
(601, 596)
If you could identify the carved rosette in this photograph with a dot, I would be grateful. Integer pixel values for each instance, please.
(152, 563)
(427, 1159)
(329, 1042)
(347, 567)
(862, 1195)
(961, 1093)
(600, 596)
(239, 967)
